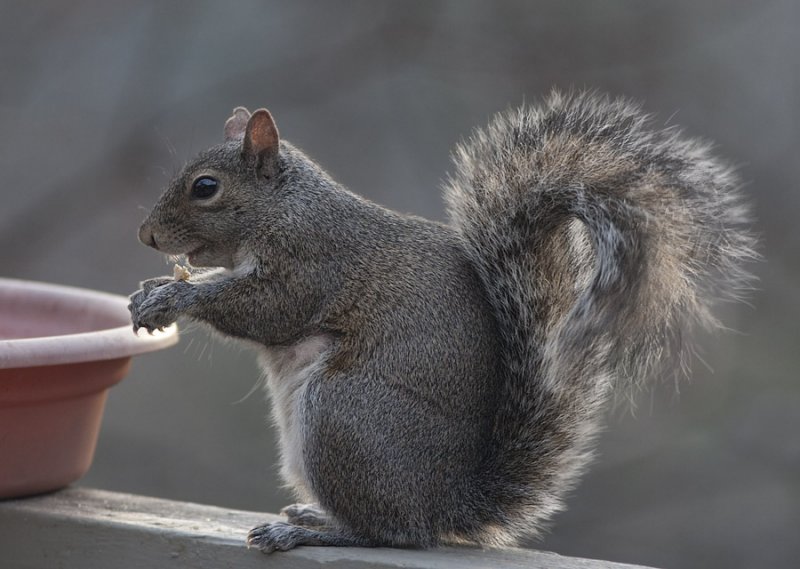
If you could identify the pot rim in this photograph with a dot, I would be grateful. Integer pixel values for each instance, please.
(104, 344)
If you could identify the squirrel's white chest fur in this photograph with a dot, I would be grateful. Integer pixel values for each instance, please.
(288, 370)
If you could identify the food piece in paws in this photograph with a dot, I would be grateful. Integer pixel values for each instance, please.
(181, 273)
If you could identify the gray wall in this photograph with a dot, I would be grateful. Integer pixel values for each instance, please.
(101, 102)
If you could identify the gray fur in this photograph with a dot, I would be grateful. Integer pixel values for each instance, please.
(306, 515)
(444, 382)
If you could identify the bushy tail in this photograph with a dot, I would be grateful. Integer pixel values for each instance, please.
(599, 241)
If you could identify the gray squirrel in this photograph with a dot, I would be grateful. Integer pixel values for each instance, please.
(443, 383)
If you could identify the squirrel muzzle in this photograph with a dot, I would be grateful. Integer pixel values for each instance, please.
(147, 237)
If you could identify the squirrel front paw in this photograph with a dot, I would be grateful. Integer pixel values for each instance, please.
(157, 304)
(150, 284)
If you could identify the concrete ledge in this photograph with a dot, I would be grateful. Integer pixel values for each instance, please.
(80, 527)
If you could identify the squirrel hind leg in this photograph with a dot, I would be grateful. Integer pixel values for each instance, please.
(282, 536)
(306, 515)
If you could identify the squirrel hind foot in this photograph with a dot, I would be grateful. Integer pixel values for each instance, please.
(306, 515)
(282, 536)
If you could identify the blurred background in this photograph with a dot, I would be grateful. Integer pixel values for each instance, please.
(100, 102)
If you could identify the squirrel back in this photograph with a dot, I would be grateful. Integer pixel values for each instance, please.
(439, 382)
(599, 242)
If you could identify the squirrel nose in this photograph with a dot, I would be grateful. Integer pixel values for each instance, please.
(147, 237)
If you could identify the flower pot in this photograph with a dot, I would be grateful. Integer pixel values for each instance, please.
(61, 348)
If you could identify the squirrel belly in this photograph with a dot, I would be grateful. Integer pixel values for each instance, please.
(444, 382)
(288, 371)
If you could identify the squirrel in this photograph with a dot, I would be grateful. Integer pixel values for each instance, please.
(444, 383)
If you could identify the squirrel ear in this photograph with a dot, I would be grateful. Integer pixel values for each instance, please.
(235, 126)
(261, 140)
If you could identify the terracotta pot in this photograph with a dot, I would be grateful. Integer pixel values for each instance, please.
(61, 348)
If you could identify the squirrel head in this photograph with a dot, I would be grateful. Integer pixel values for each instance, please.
(205, 211)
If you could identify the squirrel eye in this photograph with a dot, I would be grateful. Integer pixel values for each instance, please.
(204, 187)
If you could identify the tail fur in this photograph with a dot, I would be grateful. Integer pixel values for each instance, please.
(599, 241)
